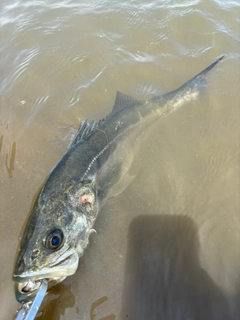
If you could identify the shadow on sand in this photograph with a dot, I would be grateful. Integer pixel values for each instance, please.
(163, 276)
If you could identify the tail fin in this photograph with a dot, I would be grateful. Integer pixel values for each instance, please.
(199, 79)
(187, 92)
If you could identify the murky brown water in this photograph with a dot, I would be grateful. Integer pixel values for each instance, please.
(62, 62)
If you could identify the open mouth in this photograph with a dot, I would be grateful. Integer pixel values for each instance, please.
(26, 291)
(28, 282)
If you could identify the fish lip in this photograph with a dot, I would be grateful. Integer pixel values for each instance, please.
(56, 270)
(54, 274)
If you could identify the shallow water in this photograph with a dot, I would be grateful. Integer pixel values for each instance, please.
(62, 62)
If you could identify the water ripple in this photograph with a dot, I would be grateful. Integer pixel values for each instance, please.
(227, 4)
(136, 56)
(75, 95)
(26, 57)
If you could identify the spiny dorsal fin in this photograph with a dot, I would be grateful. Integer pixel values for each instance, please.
(84, 131)
(123, 101)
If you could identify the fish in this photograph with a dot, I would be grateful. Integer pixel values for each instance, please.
(92, 169)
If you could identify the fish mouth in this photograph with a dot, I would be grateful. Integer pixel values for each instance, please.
(28, 282)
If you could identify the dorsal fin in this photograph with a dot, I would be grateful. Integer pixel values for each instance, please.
(123, 101)
(84, 131)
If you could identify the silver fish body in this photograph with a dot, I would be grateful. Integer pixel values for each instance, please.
(62, 219)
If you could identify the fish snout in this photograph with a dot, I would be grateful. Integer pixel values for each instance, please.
(28, 282)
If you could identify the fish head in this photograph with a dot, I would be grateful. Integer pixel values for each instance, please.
(55, 237)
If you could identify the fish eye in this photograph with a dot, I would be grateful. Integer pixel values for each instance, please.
(54, 239)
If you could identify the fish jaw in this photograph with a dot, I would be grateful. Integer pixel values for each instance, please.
(28, 282)
(64, 268)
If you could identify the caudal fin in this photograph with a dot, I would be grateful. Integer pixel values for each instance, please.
(199, 79)
(187, 92)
